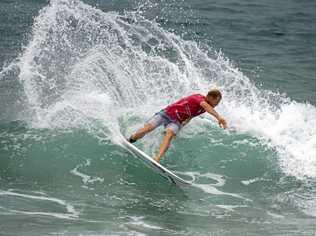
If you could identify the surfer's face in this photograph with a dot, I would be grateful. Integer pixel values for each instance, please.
(213, 101)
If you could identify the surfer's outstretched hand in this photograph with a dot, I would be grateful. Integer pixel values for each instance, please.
(222, 122)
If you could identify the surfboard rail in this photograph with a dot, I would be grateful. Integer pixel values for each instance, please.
(154, 165)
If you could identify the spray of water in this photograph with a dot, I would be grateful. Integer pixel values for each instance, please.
(85, 65)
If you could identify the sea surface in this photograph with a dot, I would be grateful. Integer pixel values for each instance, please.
(76, 73)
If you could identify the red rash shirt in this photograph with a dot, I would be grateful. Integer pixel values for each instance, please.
(185, 108)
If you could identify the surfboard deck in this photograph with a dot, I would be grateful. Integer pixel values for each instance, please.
(154, 165)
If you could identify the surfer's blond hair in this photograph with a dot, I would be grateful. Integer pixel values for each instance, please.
(214, 93)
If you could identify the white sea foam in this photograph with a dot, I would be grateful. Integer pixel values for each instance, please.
(71, 211)
(86, 179)
(210, 187)
(140, 222)
(250, 181)
(274, 215)
(230, 207)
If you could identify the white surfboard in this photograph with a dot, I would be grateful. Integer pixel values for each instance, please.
(154, 165)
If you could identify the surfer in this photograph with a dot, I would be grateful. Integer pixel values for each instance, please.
(178, 114)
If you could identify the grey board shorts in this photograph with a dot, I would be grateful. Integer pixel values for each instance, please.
(161, 118)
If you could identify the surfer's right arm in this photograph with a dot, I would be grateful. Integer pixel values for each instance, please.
(209, 109)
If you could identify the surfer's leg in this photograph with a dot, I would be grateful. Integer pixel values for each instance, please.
(142, 132)
(165, 143)
(150, 125)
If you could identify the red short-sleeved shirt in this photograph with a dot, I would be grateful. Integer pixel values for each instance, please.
(185, 108)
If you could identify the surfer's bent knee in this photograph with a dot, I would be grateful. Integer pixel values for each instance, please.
(170, 133)
(149, 126)
(174, 128)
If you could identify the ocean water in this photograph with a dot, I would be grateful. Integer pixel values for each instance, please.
(76, 73)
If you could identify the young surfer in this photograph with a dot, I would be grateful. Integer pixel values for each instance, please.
(178, 114)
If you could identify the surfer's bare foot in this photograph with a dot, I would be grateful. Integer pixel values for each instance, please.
(157, 158)
(131, 139)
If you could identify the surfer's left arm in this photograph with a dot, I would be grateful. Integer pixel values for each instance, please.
(186, 121)
(209, 109)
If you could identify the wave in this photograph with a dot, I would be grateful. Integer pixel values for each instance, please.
(87, 68)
